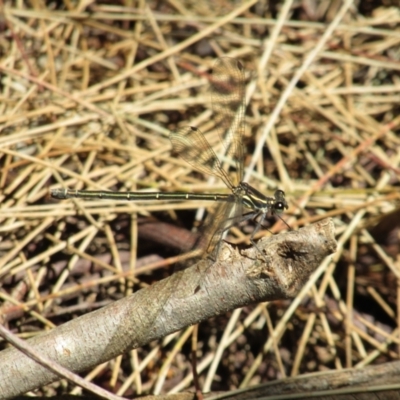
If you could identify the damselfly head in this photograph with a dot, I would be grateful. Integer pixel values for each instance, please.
(280, 202)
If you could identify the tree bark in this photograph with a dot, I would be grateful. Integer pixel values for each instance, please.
(206, 289)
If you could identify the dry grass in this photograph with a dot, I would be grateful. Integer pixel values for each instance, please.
(88, 98)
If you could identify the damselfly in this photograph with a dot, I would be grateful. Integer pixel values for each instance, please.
(228, 100)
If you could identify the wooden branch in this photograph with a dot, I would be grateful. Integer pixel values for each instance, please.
(206, 289)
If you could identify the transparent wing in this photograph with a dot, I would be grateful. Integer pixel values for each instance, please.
(217, 222)
(228, 101)
(229, 106)
(190, 144)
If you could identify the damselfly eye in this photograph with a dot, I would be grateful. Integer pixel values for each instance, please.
(279, 206)
(279, 193)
